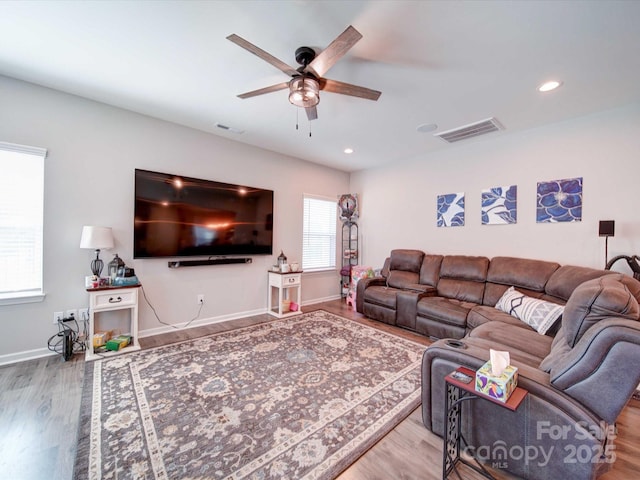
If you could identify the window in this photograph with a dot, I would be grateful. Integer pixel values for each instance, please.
(21, 217)
(319, 234)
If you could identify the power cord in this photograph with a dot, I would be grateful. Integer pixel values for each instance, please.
(67, 341)
(144, 294)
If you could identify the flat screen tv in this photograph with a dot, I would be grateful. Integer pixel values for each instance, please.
(178, 216)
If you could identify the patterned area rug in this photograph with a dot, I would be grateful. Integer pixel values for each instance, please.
(301, 397)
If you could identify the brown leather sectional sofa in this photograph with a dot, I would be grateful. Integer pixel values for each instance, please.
(579, 375)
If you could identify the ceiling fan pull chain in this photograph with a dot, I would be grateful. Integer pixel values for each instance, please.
(309, 129)
(297, 110)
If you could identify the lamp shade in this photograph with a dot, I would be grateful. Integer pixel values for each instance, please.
(96, 238)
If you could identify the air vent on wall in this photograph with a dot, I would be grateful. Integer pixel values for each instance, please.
(469, 131)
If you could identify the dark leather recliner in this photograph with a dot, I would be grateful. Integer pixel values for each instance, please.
(576, 391)
(578, 377)
(378, 297)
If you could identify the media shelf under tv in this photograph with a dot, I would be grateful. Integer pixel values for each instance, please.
(210, 261)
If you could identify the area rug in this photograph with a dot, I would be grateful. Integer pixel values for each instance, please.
(297, 398)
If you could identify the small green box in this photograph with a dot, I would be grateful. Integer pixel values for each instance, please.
(118, 342)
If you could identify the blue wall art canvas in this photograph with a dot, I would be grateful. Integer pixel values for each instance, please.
(451, 210)
(560, 201)
(499, 205)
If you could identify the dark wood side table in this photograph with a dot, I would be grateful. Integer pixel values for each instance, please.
(456, 393)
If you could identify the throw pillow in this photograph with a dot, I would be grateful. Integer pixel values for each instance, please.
(538, 314)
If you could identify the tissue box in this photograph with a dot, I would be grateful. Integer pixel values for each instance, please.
(497, 387)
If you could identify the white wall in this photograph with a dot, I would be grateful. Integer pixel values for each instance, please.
(93, 151)
(399, 200)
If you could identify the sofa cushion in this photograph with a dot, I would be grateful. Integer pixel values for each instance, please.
(407, 260)
(445, 310)
(603, 297)
(464, 267)
(384, 271)
(430, 270)
(402, 279)
(514, 339)
(463, 277)
(481, 314)
(567, 278)
(521, 272)
(528, 276)
(381, 295)
(559, 349)
(538, 314)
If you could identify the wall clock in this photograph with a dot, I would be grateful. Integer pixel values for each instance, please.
(348, 205)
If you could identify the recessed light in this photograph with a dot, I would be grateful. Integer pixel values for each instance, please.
(427, 127)
(348, 150)
(548, 86)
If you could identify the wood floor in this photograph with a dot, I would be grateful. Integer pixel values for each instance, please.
(40, 403)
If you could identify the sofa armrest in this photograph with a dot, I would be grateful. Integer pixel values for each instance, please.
(440, 359)
(363, 284)
(533, 424)
(599, 371)
(407, 305)
(428, 290)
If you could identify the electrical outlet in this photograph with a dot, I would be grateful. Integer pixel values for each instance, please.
(73, 313)
(200, 299)
(84, 314)
(57, 316)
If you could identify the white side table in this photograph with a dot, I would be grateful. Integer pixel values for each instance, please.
(106, 299)
(288, 287)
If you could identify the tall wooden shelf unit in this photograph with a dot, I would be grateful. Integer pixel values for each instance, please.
(350, 254)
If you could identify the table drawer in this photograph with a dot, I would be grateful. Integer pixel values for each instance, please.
(291, 280)
(121, 298)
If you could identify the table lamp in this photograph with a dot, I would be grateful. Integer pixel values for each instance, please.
(96, 238)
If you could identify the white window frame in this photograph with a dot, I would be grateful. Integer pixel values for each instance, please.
(308, 265)
(35, 188)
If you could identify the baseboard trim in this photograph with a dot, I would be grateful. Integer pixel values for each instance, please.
(198, 323)
(222, 318)
(44, 352)
(320, 300)
(25, 356)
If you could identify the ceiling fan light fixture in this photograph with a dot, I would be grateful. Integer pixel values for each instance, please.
(304, 91)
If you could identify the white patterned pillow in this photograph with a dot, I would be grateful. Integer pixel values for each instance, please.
(538, 314)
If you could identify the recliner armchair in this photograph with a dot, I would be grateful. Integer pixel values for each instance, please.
(378, 297)
(576, 391)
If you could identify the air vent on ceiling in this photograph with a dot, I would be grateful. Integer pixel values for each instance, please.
(469, 131)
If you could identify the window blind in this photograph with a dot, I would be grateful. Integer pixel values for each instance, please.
(21, 219)
(319, 234)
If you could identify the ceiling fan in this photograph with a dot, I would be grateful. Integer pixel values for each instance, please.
(307, 80)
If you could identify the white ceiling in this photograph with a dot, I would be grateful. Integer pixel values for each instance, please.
(444, 62)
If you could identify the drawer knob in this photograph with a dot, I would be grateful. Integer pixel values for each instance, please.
(115, 300)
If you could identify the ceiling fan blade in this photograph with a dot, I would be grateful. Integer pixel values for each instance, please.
(262, 91)
(348, 89)
(267, 57)
(334, 52)
(312, 113)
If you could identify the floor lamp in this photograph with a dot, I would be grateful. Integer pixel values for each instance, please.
(607, 229)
